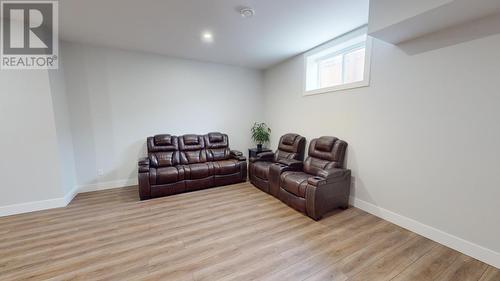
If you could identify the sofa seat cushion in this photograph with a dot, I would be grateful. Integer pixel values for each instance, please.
(165, 175)
(198, 171)
(295, 182)
(261, 169)
(226, 167)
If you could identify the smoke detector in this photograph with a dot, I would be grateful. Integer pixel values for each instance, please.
(247, 12)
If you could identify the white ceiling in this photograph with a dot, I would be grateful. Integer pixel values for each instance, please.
(280, 28)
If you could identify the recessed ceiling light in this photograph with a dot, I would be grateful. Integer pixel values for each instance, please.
(247, 12)
(207, 37)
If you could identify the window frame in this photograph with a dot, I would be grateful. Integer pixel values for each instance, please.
(360, 31)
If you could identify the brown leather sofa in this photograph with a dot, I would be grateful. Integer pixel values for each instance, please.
(290, 147)
(318, 185)
(186, 163)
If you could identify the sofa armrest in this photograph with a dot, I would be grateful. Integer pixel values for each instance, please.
(263, 156)
(332, 173)
(327, 192)
(143, 161)
(143, 178)
(143, 165)
(293, 164)
(329, 175)
(238, 155)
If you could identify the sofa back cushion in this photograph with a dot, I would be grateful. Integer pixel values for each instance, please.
(217, 146)
(192, 149)
(291, 146)
(164, 159)
(325, 153)
(163, 150)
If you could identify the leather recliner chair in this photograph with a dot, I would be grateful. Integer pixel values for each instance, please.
(290, 147)
(320, 184)
(190, 162)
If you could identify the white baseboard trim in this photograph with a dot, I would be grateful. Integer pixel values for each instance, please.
(71, 195)
(63, 201)
(107, 185)
(32, 206)
(473, 250)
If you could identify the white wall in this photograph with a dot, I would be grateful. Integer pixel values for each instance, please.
(423, 137)
(62, 121)
(29, 166)
(118, 98)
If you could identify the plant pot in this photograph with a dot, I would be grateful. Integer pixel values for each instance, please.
(259, 147)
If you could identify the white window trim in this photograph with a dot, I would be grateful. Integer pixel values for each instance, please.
(366, 78)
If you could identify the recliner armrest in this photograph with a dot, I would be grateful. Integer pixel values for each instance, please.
(238, 155)
(329, 175)
(143, 176)
(275, 171)
(263, 156)
(292, 163)
(143, 165)
(332, 173)
(316, 180)
(143, 161)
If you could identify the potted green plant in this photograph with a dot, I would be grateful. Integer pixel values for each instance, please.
(260, 134)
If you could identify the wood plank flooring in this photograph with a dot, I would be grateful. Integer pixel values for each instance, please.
(228, 233)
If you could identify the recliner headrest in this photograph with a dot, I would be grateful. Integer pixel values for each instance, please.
(328, 149)
(191, 142)
(163, 139)
(191, 139)
(216, 140)
(289, 139)
(291, 146)
(163, 142)
(215, 137)
(325, 143)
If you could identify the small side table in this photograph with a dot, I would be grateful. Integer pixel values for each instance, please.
(252, 152)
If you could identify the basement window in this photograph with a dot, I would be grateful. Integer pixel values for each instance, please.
(343, 63)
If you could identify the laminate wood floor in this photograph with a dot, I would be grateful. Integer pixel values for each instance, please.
(228, 233)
